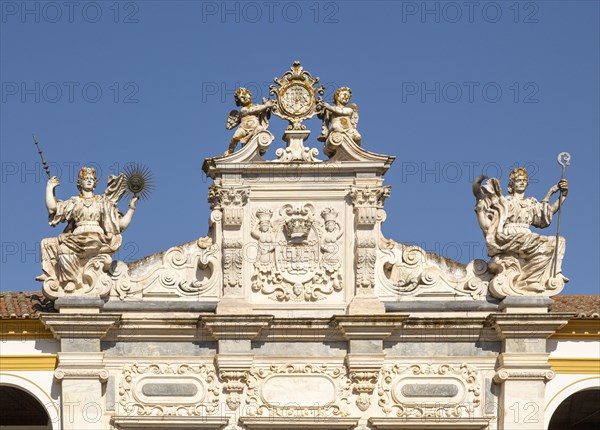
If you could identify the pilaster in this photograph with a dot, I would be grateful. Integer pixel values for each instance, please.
(368, 212)
(80, 326)
(523, 368)
(234, 357)
(365, 335)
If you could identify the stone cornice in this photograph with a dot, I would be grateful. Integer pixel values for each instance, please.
(149, 327)
(450, 329)
(169, 422)
(368, 327)
(531, 326)
(425, 423)
(298, 422)
(88, 326)
(235, 326)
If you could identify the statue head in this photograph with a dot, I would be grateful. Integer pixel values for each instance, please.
(86, 179)
(329, 216)
(264, 219)
(517, 175)
(342, 95)
(242, 96)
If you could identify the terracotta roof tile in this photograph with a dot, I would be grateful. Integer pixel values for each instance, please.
(24, 305)
(583, 306)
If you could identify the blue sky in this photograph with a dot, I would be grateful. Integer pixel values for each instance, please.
(452, 89)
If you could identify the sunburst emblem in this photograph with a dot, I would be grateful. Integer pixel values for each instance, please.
(139, 180)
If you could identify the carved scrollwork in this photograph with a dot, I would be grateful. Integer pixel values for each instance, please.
(70, 373)
(144, 390)
(440, 391)
(310, 391)
(409, 270)
(95, 280)
(188, 269)
(524, 374)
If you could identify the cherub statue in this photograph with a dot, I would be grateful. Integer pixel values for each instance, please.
(94, 227)
(339, 118)
(521, 259)
(251, 118)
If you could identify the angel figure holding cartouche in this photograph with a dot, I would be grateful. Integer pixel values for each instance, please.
(339, 117)
(249, 120)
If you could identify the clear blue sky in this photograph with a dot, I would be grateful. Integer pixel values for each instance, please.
(453, 89)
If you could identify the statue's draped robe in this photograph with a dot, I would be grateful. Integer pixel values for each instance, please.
(92, 229)
(509, 235)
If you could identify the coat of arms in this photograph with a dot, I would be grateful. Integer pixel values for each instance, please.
(298, 256)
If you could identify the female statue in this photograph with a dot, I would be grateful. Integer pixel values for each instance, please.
(522, 259)
(94, 227)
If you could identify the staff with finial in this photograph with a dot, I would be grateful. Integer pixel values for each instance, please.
(46, 167)
(563, 159)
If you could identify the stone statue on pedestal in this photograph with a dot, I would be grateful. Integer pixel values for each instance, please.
(77, 260)
(522, 261)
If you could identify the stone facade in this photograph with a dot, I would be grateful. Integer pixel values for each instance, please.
(294, 311)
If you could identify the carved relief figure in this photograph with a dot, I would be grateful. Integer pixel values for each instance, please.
(339, 117)
(266, 241)
(250, 119)
(522, 260)
(266, 244)
(330, 248)
(94, 227)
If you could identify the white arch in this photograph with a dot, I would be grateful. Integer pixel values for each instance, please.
(37, 392)
(566, 391)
